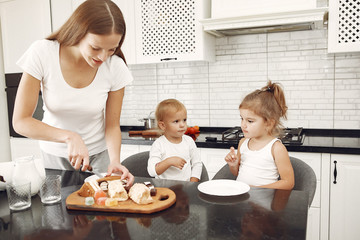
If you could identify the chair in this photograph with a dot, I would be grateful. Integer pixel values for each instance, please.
(305, 178)
(204, 174)
(224, 173)
(137, 165)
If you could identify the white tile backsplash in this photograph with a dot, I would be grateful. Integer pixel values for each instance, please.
(322, 90)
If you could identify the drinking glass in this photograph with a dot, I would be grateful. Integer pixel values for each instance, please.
(19, 195)
(50, 190)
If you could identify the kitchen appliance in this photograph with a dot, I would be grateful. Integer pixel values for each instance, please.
(149, 122)
(290, 136)
(12, 81)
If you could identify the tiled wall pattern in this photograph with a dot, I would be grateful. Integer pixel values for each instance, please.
(322, 90)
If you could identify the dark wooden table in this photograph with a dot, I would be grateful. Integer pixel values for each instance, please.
(258, 214)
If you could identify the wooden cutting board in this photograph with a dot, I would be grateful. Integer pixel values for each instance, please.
(163, 199)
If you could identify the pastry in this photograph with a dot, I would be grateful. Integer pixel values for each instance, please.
(140, 194)
(88, 189)
(111, 202)
(116, 190)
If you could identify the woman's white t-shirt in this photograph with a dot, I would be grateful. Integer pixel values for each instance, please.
(81, 110)
(257, 167)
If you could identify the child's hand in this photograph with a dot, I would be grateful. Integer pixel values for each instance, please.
(177, 162)
(232, 158)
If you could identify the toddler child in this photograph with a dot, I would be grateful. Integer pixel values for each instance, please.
(261, 159)
(174, 155)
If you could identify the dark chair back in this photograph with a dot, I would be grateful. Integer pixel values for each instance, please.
(224, 173)
(204, 174)
(137, 164)
(305, 178)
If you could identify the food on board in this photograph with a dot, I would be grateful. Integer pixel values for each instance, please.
(140, 194)
(109, 191)
(89, 201)
(116, 190)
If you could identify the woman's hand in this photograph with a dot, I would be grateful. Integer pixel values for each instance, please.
(232, 158)
(121, 169)
(77, 151)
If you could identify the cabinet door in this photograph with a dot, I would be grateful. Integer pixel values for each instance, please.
(127, 8)
(343, 34)
(213, 159)
(22, 22)
(60, 12)
(169, 31)
(344, 197)
(21, 147)
(127, 150)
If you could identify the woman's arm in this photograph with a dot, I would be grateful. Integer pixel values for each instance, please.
(113, 134)
(24, 123)
(112, 124)
(284, 166)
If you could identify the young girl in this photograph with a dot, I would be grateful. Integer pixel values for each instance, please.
(262, 160)
(174, 155)
(81, 72)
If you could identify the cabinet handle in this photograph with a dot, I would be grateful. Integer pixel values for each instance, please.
(168, 59)
(335, 173)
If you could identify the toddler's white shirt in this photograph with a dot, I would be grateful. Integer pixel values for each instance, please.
(163, 149)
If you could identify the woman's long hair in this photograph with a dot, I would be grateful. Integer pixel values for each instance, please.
(100, 17)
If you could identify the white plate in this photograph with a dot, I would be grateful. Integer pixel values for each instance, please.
(94, 177)
(223, 187)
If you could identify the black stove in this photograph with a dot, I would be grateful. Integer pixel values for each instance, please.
(289, 136)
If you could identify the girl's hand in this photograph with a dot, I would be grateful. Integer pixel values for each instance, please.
(121, 169)
(77, 152)
(232, 158)
(177, 162)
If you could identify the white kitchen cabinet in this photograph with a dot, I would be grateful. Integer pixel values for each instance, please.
(60, 12)
(127, 8)
(344, 195)
(127, 150)
(22, 23)
(213, 159)
(21, 147)
(169, 31)
(343, 33)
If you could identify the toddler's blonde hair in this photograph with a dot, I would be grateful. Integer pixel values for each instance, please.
(168, 106)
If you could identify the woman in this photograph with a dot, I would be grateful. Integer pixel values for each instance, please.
(82, 74)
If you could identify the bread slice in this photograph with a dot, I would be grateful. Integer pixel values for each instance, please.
(140, 194)
(116, 190)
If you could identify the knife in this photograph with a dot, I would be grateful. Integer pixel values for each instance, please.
(99, 175)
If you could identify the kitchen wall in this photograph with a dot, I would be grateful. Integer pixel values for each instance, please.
(322, 90)
(4, 127)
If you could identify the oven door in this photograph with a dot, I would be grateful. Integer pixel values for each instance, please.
(11, 94)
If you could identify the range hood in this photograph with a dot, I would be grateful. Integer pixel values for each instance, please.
(266, 23)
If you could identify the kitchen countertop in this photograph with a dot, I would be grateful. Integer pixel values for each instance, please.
(340, 141)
